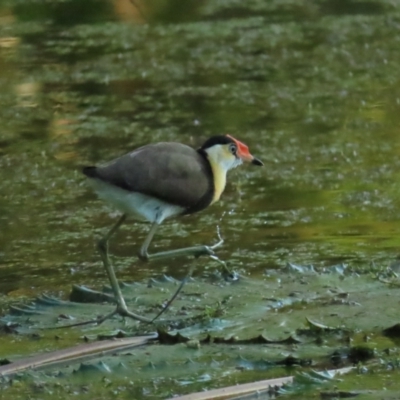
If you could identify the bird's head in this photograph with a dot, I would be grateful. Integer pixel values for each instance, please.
(228, 152)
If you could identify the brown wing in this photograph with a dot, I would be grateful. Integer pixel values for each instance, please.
(171, 172)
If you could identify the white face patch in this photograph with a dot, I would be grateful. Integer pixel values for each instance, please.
(222, 158)
(236, 163)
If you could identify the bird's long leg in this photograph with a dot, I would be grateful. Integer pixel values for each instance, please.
(184, 280)
(185, 251)
(122, 309)
(121, 305)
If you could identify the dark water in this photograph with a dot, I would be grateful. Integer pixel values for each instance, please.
(311, 87)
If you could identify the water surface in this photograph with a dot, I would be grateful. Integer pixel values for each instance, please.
(312, 88)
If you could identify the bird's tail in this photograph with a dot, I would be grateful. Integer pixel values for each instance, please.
(90, 171)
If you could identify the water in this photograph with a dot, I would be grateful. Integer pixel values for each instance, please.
(311, 88)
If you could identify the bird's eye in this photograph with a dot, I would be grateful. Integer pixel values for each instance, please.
(233, 148)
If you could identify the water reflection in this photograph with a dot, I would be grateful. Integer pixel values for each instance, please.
(74, 12)
(64, 13)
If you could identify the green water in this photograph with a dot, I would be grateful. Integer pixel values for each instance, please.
(311, 87)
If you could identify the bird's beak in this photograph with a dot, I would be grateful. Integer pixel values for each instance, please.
(256, 161)
(244, 154)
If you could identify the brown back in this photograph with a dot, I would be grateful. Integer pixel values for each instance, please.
(171, 172)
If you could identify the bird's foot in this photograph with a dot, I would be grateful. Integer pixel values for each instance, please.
(124, 312)
(204, 251)
(221, 240)
(143, 255)
(119, 310)
(227, 274)
(99, 320)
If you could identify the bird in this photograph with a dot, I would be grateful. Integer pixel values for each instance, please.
(159, 181)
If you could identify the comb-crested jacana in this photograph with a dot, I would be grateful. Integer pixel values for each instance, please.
(160, 181)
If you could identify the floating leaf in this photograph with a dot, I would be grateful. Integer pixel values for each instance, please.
(319, 327)
(358, 354)
(302, 269)
(167, 338)
(393, 331)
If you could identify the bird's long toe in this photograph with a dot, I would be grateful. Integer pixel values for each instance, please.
(205, 251)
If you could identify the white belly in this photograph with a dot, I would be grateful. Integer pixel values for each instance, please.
(134, 203)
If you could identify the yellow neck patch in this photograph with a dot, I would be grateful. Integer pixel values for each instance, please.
(221, 161)
(219, 174)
